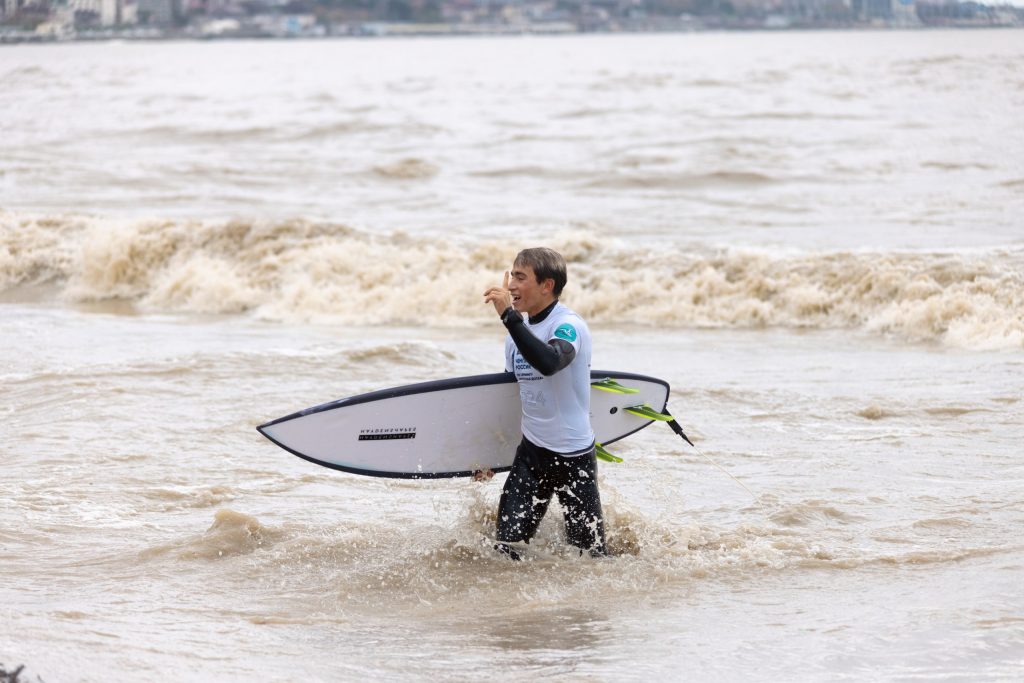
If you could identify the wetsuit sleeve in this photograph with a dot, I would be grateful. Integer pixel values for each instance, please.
(547, 358)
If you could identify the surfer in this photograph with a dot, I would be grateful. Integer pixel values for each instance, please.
(549, 352)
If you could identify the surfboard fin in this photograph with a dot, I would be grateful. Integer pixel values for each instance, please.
(611, 386)
(606, 456)
(644, 410)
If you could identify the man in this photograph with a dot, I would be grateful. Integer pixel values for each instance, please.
(549, 352)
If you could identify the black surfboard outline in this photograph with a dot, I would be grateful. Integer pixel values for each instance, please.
(427, 387)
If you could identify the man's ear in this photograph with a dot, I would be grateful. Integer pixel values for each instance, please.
(548, 286)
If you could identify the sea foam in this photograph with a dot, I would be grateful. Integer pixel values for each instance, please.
(308, 271)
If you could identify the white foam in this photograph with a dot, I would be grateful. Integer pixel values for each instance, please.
(304, 271)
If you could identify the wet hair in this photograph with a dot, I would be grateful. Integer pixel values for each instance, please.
(546, 263)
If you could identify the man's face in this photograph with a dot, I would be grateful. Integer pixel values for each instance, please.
(528, 295)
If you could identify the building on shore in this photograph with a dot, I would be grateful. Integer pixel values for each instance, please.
(9, 8)
(904, 13)
(111, 13)
(158, 12)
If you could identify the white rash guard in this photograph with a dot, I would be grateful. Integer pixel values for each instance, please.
(556, 409)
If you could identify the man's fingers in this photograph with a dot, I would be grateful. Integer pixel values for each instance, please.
(497, 295)
(483, 475)
(498, 290)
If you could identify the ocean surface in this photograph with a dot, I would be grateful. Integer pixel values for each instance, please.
(816, 238)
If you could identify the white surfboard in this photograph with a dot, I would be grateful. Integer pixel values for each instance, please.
(445, 428)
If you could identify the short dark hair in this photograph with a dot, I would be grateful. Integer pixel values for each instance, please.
(546, 263)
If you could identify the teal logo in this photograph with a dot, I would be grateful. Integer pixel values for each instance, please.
(566, 332)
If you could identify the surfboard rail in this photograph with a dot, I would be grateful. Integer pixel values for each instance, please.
(471, 424)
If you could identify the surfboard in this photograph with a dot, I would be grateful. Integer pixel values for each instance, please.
(450, 427)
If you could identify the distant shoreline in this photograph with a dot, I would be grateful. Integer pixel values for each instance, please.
(414, 30)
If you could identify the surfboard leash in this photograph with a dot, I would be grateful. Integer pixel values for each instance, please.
(677, 428)
(645, 410)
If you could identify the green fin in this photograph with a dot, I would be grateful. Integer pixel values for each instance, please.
(610, 385)
(650, 413)
(606, 456)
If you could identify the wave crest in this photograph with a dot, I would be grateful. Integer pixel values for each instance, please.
(407, 169)
(231, 534)
(301, 271)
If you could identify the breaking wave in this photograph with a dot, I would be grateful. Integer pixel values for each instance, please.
(308, 271)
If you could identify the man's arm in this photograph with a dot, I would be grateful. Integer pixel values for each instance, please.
(547, 358)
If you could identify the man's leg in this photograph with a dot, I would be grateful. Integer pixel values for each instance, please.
(581, 500)
(524, 499)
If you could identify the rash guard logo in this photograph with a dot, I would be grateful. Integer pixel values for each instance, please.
(566, 332)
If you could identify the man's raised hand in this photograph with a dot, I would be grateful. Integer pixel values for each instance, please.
(500, 297)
